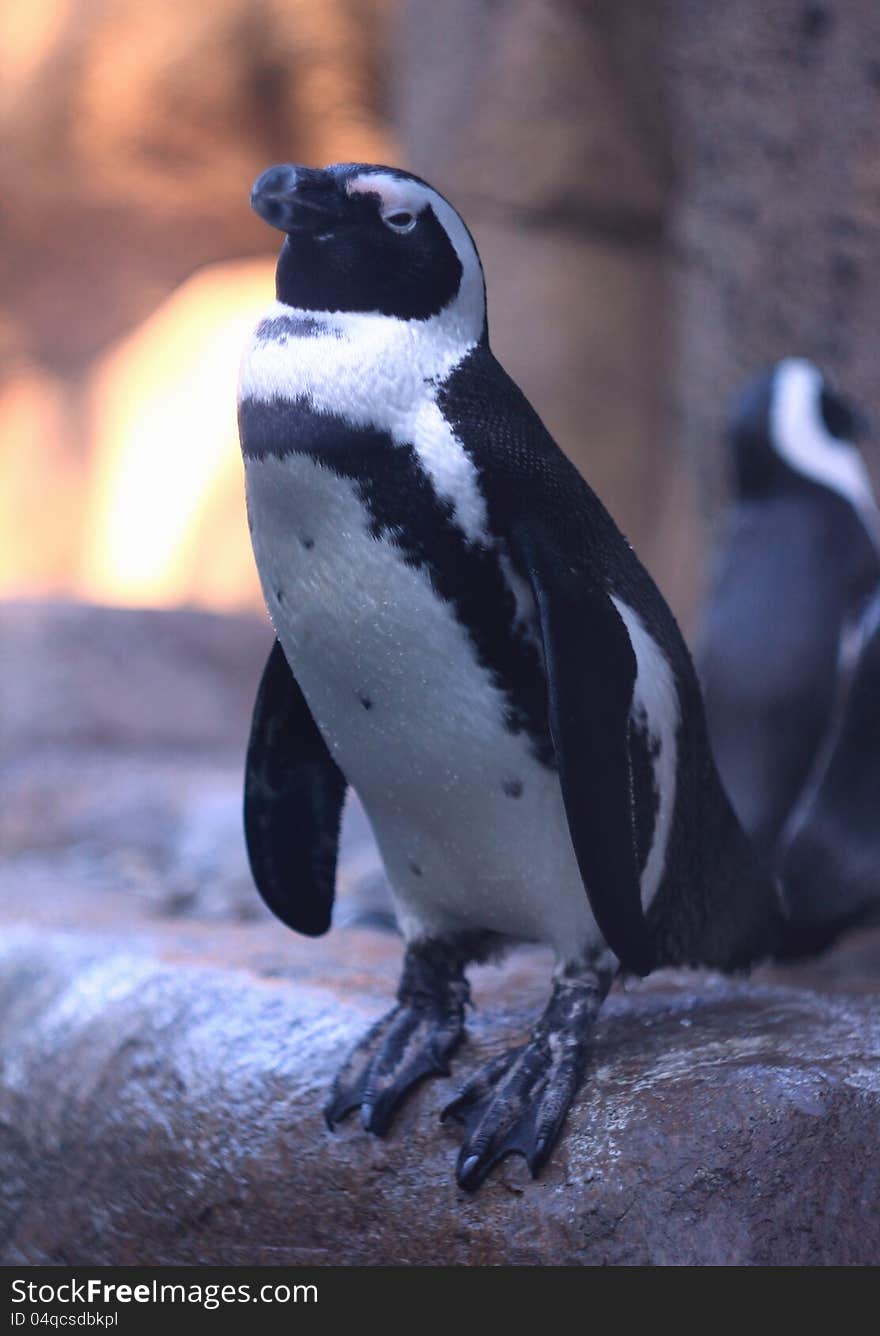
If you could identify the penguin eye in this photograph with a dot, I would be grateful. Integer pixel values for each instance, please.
(400, 221)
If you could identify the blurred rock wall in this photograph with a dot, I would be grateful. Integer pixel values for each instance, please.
(546, 124)
(667, 195)
(131, 136)
(775, 234)
(129, 139)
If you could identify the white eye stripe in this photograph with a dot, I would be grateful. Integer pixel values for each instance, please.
(395, 195)
(799, 435)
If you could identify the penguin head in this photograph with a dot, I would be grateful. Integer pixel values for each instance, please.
(790, 423)
(370, 239)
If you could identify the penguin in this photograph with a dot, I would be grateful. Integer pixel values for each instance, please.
(464, 637)
(830, 861)
(798, 557)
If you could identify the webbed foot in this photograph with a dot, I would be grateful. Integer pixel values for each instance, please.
(413, 1041)
(517, 1103)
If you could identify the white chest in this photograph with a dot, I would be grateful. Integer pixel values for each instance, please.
(471, 826)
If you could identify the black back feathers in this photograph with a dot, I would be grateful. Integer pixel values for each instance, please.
(713, 905)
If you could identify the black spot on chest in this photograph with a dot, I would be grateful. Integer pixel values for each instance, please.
(405, 511)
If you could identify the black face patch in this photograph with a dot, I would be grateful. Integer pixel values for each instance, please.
(840, 418)
(357, 263)
(405, 510)
(758, 467)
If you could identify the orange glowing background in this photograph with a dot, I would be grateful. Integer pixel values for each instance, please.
(164, 514)
(133, 274)
(152, 512)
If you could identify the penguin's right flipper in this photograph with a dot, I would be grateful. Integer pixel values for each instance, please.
(293, 798)
(591, 672)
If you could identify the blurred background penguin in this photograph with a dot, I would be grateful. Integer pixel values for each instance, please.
(786, 647)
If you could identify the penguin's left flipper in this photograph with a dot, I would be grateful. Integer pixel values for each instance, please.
(294, 792)
(591, 673)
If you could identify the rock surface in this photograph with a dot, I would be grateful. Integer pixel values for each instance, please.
(154, 1109)
(164, 1056)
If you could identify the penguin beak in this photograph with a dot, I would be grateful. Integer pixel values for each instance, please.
(295, 199)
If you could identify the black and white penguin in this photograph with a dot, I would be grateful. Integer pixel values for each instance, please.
(830, 847)
(799, 555)
(465, 638)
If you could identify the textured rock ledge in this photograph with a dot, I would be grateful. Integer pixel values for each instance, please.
(158, 1110)
(165, 1047)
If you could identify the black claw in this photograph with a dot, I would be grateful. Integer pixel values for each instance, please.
(517, 1104)
(350, 1087)
(468, 1172)
(477, 1089)
(377, 1113)
(412, 1042)
(336, 1111)
(377, 1118)
(467, 1168)
(474, 1168)
(475, 1164)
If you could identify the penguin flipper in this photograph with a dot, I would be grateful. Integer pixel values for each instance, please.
(293, 798)
(591, 673)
